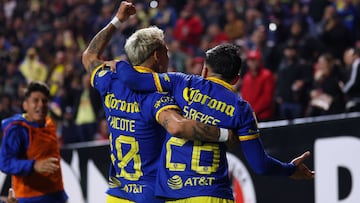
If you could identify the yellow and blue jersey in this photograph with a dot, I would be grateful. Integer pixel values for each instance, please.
(188, 168)
(194, 168)
(135, 136)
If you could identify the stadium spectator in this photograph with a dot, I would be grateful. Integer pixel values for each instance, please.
(209, 12)
(352, 86)
(234, 27)
(308, 47)
(292, 83)
(203, 47)
(32, 67)
(317, 9)
(177, 58)
(87, 110)
(68, 128)
(258, 86)
(11, 78)
(258, 40)
(326, 96)
(7, 108)
(4, 51)
(164, 15)
(188, 28)
(335, 36)
(348, 15)
(216, 35)
(56, 73)
(144, 14)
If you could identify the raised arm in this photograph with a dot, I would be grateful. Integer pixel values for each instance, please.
(91, 56)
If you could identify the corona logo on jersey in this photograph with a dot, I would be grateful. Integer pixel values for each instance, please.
(192, 95)
(117, 104)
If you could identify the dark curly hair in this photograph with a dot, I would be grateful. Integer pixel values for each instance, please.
(36, 86)
(225, 60)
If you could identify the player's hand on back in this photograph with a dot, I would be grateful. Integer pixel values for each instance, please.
(111, 65)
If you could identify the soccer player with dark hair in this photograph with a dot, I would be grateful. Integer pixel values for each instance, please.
(30, 150)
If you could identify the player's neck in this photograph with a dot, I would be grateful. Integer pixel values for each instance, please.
(151, 64)
(217, 76)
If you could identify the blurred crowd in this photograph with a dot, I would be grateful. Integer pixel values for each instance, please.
(298, 55)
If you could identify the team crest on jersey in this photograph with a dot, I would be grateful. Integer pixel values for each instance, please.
(102, 73)
(175, 182)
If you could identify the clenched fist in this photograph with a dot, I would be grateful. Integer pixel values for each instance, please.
(125, 10)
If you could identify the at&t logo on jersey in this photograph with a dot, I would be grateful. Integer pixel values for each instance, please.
(175, 182)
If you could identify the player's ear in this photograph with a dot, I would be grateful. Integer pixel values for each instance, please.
(25, 105)
(156, 55)
(235, 80)
(204, 71)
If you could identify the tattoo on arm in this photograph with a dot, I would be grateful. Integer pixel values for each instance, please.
(204, 132)
(194, 131)
(165, 123)
(94, 64)
(98, 43)
(97, 46)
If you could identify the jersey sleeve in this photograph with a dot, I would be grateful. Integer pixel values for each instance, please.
(162, 103)
(253, 149)
(262, 163)
(248, 128)
(101, 78)
(145, 82)
(12, 153)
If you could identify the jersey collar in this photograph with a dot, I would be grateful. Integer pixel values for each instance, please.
(221, 82)
(143, 69)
